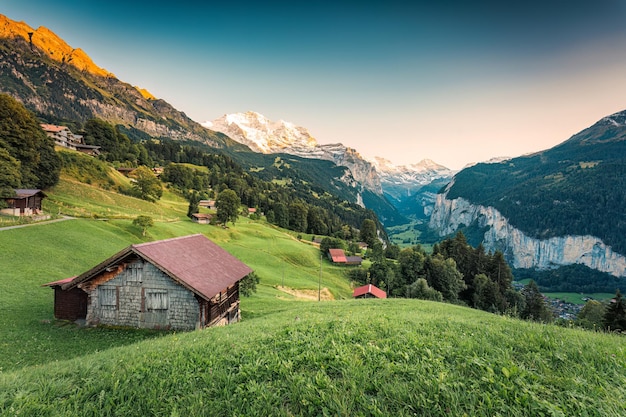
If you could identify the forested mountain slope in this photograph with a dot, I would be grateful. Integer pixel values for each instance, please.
(575, 188)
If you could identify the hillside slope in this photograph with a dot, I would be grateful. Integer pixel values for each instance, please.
(364, 357)
(59, 82)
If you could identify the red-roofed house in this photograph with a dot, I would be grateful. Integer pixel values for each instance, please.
(181, 283)
(337, 256)
(368, 291)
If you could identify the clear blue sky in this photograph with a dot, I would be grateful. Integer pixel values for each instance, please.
(449, 80)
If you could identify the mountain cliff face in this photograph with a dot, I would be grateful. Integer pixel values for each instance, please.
(55, 80)
(520, 249)
(265, 136)
(562, 206)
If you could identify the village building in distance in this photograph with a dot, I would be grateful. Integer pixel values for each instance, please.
(338, 256)
(64, 138)
(183, 283)
(369, 291)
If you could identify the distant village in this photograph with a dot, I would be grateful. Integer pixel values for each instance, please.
(64, 138)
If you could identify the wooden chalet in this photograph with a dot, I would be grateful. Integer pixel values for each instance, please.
(25, 202)
(338, 256)
(183, 283)
(369, 291)
(202, 218)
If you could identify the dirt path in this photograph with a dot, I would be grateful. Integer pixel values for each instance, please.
(307, 294)
(36, 223)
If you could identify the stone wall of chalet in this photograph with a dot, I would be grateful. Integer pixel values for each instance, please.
(142, 296)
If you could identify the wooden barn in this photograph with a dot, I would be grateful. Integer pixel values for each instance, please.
(183, 283)
(369, 291)
(24, 203)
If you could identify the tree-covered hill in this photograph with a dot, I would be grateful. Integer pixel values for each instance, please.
(575, 188)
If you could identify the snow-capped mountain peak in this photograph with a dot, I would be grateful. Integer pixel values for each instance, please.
(425, 170)
(261, 134)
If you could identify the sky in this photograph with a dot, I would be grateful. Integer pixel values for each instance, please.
(449, 80)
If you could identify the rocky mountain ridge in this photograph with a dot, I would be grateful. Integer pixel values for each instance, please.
(559, 207)
(54, 47)
(405, 180)
(379, 175)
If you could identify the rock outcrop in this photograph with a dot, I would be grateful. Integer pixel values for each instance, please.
(55, 47)
(521, 250)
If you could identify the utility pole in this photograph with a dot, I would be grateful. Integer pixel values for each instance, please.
(319, 282)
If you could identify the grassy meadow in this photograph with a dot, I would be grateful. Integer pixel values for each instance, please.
(290, 355)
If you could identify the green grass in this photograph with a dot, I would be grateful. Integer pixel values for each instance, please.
(578, 298)
(77, 199)
(363, 357)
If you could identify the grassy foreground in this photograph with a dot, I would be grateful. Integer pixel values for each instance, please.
(365, 357)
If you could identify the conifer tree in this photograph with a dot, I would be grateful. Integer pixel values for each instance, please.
(536, 308)
(615, 315)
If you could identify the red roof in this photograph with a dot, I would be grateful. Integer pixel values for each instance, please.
(337, 255)
(53, 128)
(193, 261)
(59, 282)
(369, 289)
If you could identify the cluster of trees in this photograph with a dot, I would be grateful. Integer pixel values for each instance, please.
(573, 278)
(27, 156)
(115, 146)
(610, 316)
(454, 272)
